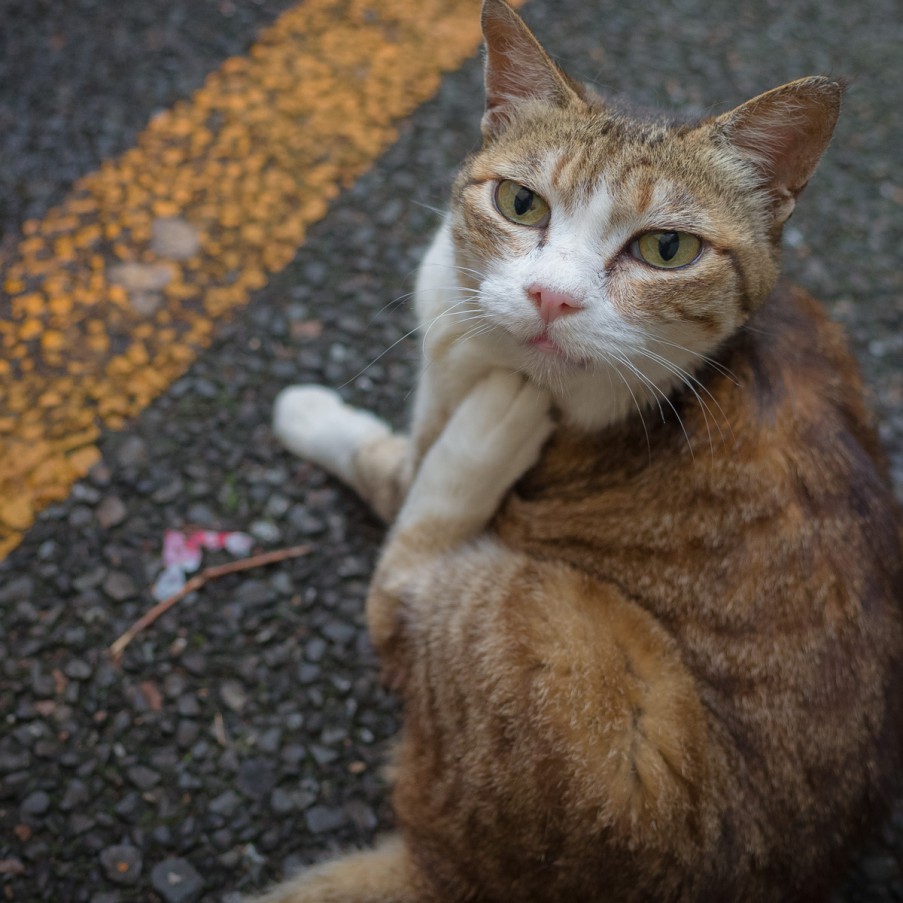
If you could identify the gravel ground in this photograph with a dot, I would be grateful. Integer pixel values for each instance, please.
(244, 733)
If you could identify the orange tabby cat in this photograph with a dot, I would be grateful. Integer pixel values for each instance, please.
(641, 597)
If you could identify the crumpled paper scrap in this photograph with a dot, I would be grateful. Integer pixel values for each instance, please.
(182, 554)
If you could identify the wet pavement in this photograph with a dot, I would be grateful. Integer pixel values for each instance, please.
(244, 732)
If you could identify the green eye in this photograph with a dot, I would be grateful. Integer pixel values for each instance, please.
(521, 205)
(667, 250)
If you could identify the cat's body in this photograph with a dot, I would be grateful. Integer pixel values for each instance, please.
(666, 666)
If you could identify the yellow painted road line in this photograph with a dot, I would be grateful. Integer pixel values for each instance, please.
(115, 291)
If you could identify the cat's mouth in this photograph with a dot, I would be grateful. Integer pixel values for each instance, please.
(550, 350)
(546, 345)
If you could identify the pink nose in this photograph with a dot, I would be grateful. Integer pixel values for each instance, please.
(552, 305)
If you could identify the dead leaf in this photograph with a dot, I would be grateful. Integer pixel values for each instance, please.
(152, 695)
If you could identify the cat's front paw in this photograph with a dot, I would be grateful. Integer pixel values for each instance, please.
(314, 423)
(500, 427)
(493, 438)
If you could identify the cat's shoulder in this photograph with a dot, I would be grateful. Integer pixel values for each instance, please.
(794, 352)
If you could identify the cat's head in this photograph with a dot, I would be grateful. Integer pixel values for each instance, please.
(593, 236)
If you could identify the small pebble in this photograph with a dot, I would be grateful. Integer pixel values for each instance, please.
(119, 586)
(90, 578)
(76, 793)
(322, 819)
(226, 803)
(110, 512)
(233, 695)
(174, 237)
(122, 863)
(187, 733)
(78, 669)
(36, 803)
(131, 452)
(265, 531)
(256, 778)
(177, 881)
(142, 777)
(281, 801)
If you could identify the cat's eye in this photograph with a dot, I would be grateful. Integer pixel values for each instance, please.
(520, 204)
(667, 250)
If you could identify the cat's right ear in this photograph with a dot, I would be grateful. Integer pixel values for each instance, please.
(518, 69)
(783, 133)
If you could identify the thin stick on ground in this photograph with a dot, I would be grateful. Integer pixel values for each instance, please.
(195, 583)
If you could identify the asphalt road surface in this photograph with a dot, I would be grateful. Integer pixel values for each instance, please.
(243, 734)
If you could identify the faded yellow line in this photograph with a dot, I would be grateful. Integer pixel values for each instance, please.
(115, 291)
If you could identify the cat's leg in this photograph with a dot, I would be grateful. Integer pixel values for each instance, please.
(494, 436)
(380, 875)
(353, 445)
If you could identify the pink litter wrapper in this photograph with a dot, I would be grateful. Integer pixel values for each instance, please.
(182, 554)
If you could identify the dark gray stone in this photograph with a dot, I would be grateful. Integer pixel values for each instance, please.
(16, 590)
(187, 732)
(323, 819)
(110, 512)
(233, 695)
(256, 778)
(226, 803)
(177, 881)
(142, 777)
(122, 863)
(119, 586)
(36, 803)
(78, 669)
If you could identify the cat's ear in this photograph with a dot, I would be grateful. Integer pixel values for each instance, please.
(517, 69)
(784, 132)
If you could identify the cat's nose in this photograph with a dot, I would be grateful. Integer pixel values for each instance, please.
(551, 304)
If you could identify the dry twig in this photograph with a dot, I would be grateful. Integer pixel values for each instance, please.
(195, 583)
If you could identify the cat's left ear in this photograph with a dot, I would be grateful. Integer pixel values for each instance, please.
(784, 132)
(518, 69)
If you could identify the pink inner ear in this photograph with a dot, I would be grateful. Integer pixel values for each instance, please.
(786, 130)
(517, 67)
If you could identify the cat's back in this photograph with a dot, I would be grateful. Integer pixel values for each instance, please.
(755, 520)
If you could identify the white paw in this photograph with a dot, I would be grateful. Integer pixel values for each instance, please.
(314, 423)
(501, 426)
(494, 437)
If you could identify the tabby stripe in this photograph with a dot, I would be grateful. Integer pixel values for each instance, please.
(745, 302)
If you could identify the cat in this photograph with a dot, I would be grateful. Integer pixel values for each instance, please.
(641, 591)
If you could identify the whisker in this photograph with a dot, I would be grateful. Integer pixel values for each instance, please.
(657, 389)
(682, 380)
(710, 361)
(612, 365)
(395, 302)
(688, 379)
(439, 210)
(447, 312)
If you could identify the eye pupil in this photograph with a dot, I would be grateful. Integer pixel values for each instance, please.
(668, 245)
(520, 205)
(523, 201)
(667, 250)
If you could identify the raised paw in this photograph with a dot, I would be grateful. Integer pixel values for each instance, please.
(501, 426)
(314, 423)
(492, 439)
